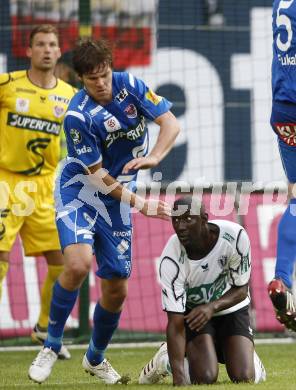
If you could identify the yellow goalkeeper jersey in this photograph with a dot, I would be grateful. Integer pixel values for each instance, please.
(30, 123)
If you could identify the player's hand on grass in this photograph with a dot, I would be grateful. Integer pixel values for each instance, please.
(157, 209)
(199, 316)
(140, 163)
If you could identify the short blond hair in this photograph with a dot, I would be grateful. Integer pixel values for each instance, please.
(43, 28)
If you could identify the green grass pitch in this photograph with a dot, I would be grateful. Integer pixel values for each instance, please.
(279, 361)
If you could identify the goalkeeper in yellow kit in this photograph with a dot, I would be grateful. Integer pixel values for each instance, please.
(32, 106)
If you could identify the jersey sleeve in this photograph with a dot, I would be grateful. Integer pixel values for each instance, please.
(240, 261)
(4, 79)
(172, 279)
(81, 142)
(152, 105)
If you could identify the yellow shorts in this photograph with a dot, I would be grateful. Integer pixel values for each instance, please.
(27, 208)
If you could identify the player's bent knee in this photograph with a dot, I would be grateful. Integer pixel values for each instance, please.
(207, 378)
(243, 376)
(76, 272)
(118, 296)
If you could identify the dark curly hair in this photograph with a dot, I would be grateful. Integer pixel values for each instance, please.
(89, 55)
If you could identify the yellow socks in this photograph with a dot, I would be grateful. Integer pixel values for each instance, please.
(3, 271)
(46, 293)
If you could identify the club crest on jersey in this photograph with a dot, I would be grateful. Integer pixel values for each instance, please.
(112, 124)
(76, 136)
(152, 97)
(222, 261)
(22, 105)
(58, 111)
(131, 111)
(205, 267)
(121, 95)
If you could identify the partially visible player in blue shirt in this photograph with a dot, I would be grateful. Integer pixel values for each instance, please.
(283, 122)
(107, 143)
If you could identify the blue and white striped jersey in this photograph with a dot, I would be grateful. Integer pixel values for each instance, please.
(112, 134)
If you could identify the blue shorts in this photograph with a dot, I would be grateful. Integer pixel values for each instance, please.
(283, 122)
(107, 228)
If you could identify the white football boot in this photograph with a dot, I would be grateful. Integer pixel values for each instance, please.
(104, 371)
(156, 368)
(41, 366)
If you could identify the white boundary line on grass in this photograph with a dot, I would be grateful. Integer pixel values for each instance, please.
(286, 340)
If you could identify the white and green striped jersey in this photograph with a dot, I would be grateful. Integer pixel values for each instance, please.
(187, 283)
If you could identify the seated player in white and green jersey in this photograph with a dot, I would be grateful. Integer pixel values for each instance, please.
(204, 272)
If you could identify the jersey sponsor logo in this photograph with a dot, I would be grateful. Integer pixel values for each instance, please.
(84, 101)
(59, 99)
(130, 135)
(121, 95)
(22, 105)
(123, 246)
(152, 97)
(31, 123)
(83, 150)
(112, 124)
(2, 230)
(131, 111)
(207, 292)
(118, 233)
(36, 146)
(141, 150)
(287, 132)
(58, 111)
(76, 136)
(25, 90)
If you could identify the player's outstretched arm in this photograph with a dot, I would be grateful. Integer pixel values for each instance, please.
(168, 131)
(108, 185)
(176, 346)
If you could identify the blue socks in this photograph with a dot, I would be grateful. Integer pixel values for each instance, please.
(105, 323)
(286, 245)
(61, 306)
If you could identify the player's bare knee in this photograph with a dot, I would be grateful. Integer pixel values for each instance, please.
(118, 296)
(244, 375)
(75, 272)
(205, 379)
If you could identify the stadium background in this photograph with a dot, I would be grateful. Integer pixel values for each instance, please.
(212, 60)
